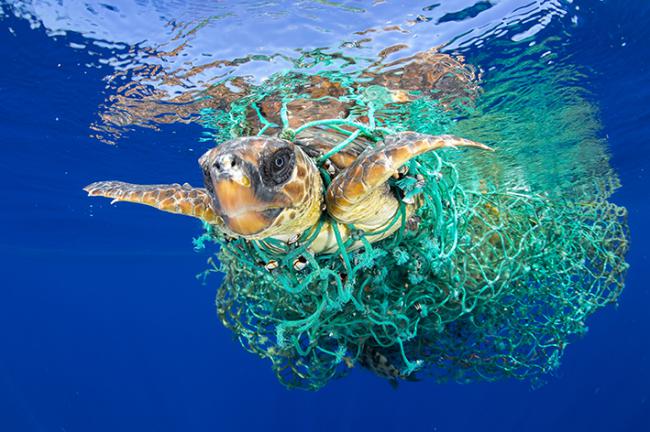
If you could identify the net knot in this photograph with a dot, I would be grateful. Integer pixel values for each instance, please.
(288, 134)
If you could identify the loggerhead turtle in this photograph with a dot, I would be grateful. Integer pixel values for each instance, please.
(268, 187)
(263, 187)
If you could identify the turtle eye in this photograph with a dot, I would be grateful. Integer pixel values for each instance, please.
(278, 167)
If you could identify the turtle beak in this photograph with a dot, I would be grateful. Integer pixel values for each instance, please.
(240, 208)
(233, 198)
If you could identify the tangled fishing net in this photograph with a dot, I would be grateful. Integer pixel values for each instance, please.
(492, 281)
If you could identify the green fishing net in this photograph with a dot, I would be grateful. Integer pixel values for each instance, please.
(491, 279)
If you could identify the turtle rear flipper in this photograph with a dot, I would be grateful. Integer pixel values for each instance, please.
(385, 362)
(173, 198)
(360, 194)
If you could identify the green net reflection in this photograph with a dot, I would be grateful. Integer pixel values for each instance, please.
(488, 280)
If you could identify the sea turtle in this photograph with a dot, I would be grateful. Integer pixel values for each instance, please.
(420, 306)
(267, 187)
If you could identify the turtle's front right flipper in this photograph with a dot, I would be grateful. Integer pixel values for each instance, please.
(173, 198)
(360, 195)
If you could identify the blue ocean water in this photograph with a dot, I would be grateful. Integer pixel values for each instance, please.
(103, 325)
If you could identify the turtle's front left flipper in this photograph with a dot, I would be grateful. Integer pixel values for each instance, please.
(173, 198)
(360, 194)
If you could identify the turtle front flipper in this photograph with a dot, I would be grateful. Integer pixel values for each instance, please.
(173, 198)
(360, 194)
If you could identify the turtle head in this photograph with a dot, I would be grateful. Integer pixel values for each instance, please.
(262, 186)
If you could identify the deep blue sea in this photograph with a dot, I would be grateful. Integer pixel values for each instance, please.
(103, 323)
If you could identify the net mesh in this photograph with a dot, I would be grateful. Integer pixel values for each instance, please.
(486, 282)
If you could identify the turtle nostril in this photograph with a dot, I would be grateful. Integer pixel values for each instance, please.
(225, 162)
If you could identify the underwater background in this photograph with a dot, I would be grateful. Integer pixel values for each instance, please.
(103, 324)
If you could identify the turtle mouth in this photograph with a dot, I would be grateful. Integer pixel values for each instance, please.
(242, 209)
(235, 198)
